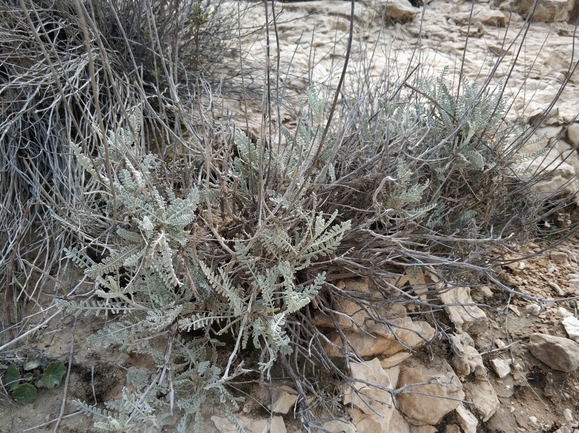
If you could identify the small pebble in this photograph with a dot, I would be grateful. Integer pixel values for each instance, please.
(559, 257)
(487, 292)
(568, 415)
(533, 309)
(533, 419)
(501, 367)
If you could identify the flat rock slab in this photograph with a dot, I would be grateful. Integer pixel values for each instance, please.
(429, 392)
(557, 352)
(460, 307)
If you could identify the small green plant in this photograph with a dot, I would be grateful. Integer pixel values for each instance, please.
(165, 283)
(24, 382)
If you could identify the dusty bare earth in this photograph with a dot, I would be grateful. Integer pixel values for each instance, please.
(533, 396)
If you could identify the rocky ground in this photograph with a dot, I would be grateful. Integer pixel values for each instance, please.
(510, 362)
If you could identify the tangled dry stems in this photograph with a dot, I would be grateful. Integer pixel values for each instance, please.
(395, 157)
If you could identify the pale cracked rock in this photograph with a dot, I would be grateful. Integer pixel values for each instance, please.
(573, 134)
(338, 426)
(399, 10)
(466, 419)
(373, 423)
(558, 353)
(284, 399)
(490, 17)
(571, 325)
(381, 340)
(559, 257)
(501, 367)
(483, 397)
(559, 175)
(274, 425)
(430, 392)
(374, 410)
(547, 11)
(466, 359)
(423, 429)
(367, 398)
(465, 316)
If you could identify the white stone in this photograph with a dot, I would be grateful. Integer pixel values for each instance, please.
(563, 312)
(484, 15)
(277, 425)
(466, 419)
(501, 367)
(369, 399)
(372, 423)
(284, 399)
(399, 10)
(533, 309)
(573, 134)
(340, 426)
(466, 359)
(483, 397)
(378, 340)
(395, 359)
(559, 257)
(558, 353)
(547, 11)
(574, 283)
(571, 325)
(557, 174)
(274, 425)
(465, 316)
(430, 392)
(487, 292)
(568, 415)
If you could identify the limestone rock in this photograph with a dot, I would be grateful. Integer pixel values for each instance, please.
(547, 11)
(483, 397)
(559, 175)
(374, 409)
(284, 399)
(372, 423)
(533, 309)
(573, 134)
(399, 10)
(435, 394)
(369, 399)
(395, 359)
(251, 425)
(571, 325)
(466, 419)
(559, 257)
(558, 353)
(501, 367)
(406, 334)
(340, 426)
(277, 425)
(353, 316)
(465, 316)
(423, 429)
(466, 359)
(484, 15)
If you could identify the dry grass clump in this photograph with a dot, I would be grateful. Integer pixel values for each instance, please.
(185, 222)
(69, 71)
